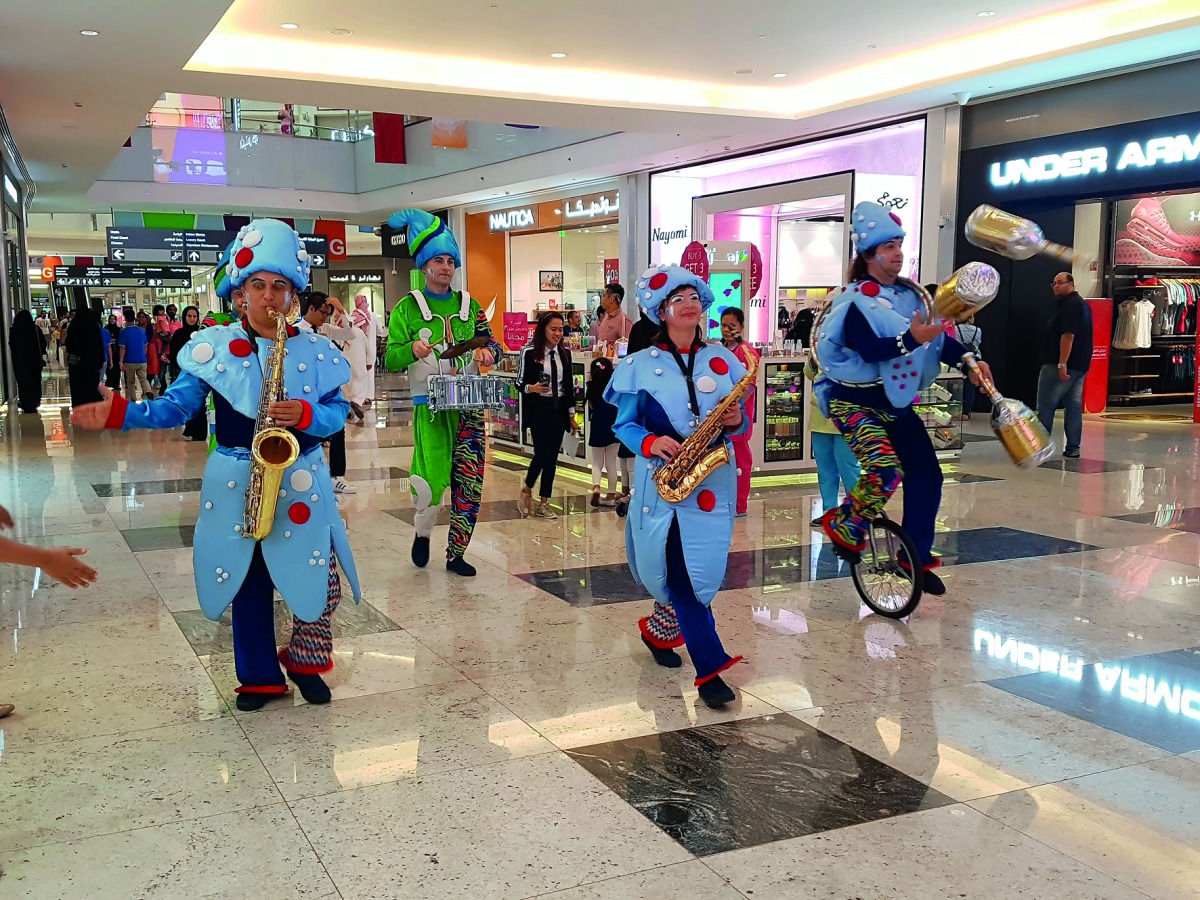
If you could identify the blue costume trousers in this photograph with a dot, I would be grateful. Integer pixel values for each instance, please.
(254, 653)
(836, 463)
(686, 616)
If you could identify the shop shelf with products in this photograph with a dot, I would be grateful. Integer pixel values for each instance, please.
(784, 407)
(940, 408)
(506, 422)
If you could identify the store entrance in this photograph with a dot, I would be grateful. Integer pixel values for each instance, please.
(776, 252)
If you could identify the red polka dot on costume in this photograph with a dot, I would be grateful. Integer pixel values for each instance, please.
(658, 281)
(719, 366)
(707, 501)
(895, 218)
(244, 257)
(240, 347)
(299, 513)
(870, 289)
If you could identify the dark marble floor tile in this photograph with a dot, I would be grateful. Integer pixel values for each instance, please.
(968, 478)
(159, 537)
(143, 488)
(612, 583)
(1083, 466)
(503, 510)
(976, 438)
(1179, 518)
(755, 781)
(388, 473)
(1154, 699)
(350, 620)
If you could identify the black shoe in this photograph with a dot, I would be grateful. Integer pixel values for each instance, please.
(312, 687)
(664, 656)
(622, 507)
(716, 693)
(1071, 454)
(420, 551)
(815, 523)
(853, 557)
(933, 585)
(460, 566)
(249, 702)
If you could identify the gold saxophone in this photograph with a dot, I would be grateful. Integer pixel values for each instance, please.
(273, 449)
(697, 458)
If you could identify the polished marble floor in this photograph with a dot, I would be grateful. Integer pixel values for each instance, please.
(1035, 732)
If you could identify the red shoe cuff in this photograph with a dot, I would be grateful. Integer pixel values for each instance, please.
(733, 662)
(260, 689)
(287, 663)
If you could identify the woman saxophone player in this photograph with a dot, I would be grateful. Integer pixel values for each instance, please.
(678, 550)
(876, 354)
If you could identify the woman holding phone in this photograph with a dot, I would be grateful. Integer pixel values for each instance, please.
(548, 409)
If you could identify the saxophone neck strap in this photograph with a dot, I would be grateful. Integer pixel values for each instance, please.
(688, 370)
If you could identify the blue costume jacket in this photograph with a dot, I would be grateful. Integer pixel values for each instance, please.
(889, 310)
(222, 359)
(651, 396)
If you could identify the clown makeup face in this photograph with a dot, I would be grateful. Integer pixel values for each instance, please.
(682, 307)
(264, 293)
(888, 261)
(438, 272)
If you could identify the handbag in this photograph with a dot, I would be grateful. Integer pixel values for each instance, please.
(570, 444)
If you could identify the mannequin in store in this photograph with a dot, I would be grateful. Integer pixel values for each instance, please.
(448, 446)
(733, 321)
(307, 543)
(364, 321)
(678, 551)
(876, 353)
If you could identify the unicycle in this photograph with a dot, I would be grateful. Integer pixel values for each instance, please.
(887, 587)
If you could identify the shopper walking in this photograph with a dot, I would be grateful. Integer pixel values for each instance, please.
(602, 415)
(970, 336)
(365, 321)
(196, 428)
(613, 325)
(132, 357)
(733, 321)
(84, 350)
(548, 409)
(28, 346)
(1066, 358)
(112, 377)
(153, 353)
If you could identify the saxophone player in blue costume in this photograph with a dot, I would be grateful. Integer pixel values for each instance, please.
(307, 541)
(678, 551)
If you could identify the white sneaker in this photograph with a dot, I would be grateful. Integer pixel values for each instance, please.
(525, 504)
(341, 486)
(545, 512)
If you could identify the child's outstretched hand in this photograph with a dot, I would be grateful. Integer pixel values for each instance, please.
(6, 520)
(61, 565)
(92, 416)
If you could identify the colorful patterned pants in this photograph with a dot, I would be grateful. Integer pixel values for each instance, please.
(254, 648)
(466, 481)
(892, 449)
(686, 620)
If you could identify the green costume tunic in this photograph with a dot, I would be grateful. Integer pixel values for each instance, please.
(434, 433)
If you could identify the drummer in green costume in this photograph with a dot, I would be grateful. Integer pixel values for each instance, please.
(448, 446)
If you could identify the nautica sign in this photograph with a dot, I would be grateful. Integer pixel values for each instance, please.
(1150, 154)
(513, 218)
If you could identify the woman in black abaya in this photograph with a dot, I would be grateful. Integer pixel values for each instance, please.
(28, 347)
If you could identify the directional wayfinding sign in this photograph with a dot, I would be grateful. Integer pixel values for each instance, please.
(123, 276)
(190, 248)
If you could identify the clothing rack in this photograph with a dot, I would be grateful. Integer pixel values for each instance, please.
(1163, 370)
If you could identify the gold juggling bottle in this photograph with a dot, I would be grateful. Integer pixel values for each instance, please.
(1012, 236)
(1015, 424)
(273, 448)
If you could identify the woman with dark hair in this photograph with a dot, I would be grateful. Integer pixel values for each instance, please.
(112, 376)
(196, 428)
(28, 346)
(733, 320)
(548, 408)
(678, 550)
(85, 356)
(602, 440)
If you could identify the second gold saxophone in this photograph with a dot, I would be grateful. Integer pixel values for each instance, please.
(698, 457)
(273, 448)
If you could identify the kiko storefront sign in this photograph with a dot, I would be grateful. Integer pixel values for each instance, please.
(1140, 156)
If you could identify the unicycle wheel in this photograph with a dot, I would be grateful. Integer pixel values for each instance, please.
(885, 586)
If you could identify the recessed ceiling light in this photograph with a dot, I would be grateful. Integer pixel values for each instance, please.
(558, 54)
(743, 71)
(780, 75)
(90, 33)
(986, 14)
(289, 25)
(341, 32)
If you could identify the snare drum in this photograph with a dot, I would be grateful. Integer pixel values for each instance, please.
(465, 392)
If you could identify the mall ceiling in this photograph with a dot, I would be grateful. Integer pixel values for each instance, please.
(704, 71)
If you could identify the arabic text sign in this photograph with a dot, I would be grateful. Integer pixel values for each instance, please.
(123, 276)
